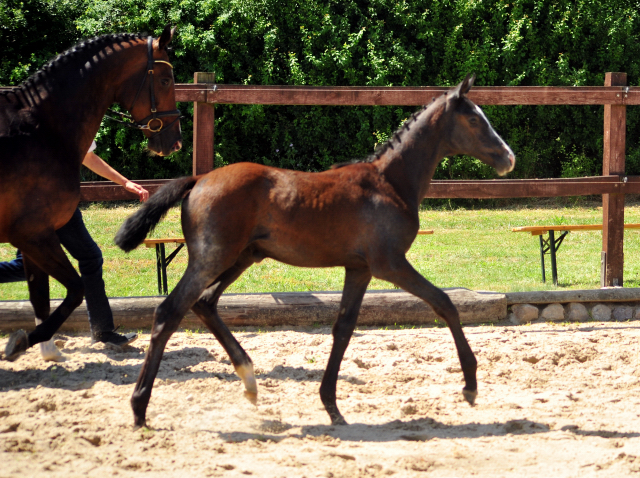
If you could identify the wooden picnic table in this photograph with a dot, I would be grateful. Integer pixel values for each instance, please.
(551, 244)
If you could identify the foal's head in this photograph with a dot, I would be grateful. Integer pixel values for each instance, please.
(472, 134)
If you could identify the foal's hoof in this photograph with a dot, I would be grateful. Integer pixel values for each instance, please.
(17, 345)
(470, 396)
(248, 377)
(251, 396)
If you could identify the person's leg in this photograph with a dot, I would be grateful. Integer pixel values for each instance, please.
(77, 240)
(12, 271)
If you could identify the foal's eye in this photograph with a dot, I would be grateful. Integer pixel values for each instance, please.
(473, 120)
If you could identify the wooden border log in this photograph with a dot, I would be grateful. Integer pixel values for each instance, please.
(280, 309)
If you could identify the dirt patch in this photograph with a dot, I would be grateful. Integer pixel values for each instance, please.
(554, 400)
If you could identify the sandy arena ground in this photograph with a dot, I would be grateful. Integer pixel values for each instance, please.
(555, 400)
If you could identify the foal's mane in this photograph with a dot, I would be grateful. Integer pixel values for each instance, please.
(393, 140)
(71, 59)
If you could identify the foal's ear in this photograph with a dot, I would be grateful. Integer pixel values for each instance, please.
(464, 87)
(165, 38)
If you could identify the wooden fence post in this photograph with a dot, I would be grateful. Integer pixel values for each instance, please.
(615, 126)
(203, 129)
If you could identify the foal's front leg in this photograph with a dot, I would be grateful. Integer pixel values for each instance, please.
(355, 285)
(402, 274)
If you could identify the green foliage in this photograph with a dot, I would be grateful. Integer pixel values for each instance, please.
(350, 42)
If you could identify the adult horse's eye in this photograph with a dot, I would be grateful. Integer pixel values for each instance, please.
(165, 82)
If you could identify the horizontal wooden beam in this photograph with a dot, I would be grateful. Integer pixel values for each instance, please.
(404, 96)
(464, 189)
(521, 188)
(401, 95)
(110, 191)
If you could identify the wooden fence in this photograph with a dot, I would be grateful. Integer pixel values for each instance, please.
(615, 95)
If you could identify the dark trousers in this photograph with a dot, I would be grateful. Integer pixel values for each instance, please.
(76, 239)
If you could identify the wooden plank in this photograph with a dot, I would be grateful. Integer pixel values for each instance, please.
(166, 240)
(401, 96)
(511, 188)
(203, 129)
(425, 232)
(471, 189)
(110, 191)
(615, 125)
(537, 230)
(279, 309)
(414, 96)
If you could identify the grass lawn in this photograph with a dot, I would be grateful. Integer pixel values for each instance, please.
(472, 248)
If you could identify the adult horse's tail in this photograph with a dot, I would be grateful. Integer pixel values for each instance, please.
(136, 227)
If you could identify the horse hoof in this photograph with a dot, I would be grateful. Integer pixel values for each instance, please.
(249, 380)
(338, 419)
(470, 396)
(138, 425)
(17, 345)
(50, 352)
(251, 396)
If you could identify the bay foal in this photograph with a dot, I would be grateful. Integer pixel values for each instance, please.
(361, 216)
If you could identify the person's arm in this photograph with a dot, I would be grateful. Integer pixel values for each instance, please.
(98, 166)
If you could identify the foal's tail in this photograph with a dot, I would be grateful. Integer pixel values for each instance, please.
(136, 227)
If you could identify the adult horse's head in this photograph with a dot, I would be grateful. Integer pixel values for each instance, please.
(472, 134)
(150, 96)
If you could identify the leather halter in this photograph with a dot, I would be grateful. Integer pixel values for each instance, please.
(154, 117)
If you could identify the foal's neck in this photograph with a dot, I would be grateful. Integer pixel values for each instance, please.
(412, 157)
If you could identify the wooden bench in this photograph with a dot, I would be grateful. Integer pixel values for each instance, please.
(551, 244)
(162, 260)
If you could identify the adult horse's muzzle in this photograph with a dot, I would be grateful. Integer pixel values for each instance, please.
(167, 142)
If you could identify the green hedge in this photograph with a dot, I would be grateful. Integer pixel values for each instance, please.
(347, 42)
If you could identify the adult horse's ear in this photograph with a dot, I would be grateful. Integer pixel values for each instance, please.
(165, 38)
(464, 87)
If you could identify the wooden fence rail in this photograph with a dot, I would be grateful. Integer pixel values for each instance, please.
(615, 95)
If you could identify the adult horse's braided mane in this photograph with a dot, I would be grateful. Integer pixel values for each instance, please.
(76, 56)
(394, 139)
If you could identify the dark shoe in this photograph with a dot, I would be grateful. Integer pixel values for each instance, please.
(114, 340)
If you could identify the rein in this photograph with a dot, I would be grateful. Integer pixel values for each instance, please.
(146, 123)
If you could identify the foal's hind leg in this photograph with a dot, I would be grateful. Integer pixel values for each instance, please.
(167, 318)
(402, 274)
(355, 285)
(206, 309)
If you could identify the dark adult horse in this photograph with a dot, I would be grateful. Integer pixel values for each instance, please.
(361, 216)
(46, 127)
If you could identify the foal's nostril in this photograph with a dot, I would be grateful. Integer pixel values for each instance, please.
(177, 146)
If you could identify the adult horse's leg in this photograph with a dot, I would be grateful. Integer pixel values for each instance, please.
(38, 283)
(42, 258)
(206, 309)
(402, 274)
(355, 285)
(167, 318)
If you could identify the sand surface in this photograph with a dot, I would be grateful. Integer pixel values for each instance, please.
(555, 400)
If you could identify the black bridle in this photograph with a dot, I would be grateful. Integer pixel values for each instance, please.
(146, 123)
